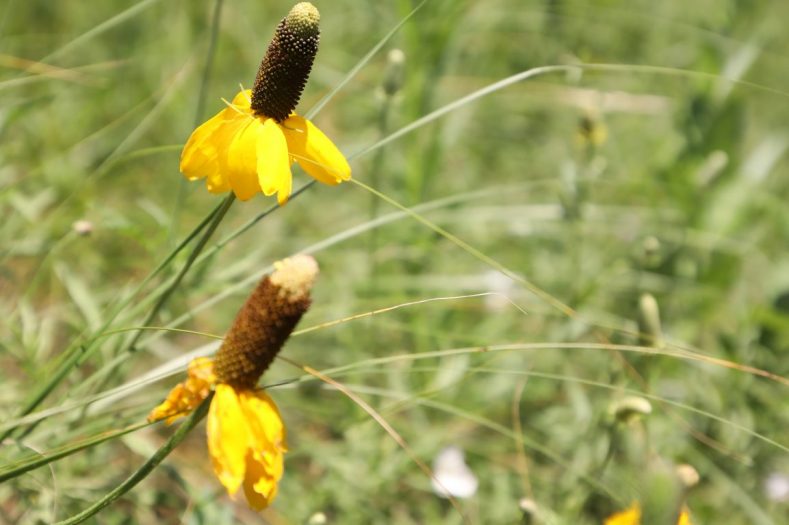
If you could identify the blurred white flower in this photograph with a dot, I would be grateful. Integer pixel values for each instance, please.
(776, 487)
(452, 475)
(82, 227)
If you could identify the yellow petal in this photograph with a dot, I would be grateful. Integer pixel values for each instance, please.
(264, 421)
(684, 518)
(273, 163)
(171, 408)
(315, 153)
(240, 162)
(208, 145)
(265, 461)
(631, 516)
(259, 487)
(228, 438)
(185, 396)
(198, 158)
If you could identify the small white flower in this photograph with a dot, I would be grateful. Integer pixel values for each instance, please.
(776, 487)
(82, 227)
(452, 475)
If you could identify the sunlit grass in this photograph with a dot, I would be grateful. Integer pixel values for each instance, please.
(488, 298)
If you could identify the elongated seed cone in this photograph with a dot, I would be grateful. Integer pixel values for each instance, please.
(265, 322)
(286, 67)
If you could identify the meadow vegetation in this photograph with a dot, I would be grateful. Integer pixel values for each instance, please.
(579, 276)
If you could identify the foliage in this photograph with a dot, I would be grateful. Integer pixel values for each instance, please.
(649, 163)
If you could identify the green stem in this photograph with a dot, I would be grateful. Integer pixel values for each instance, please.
(209, 62)
(192, 258)
(171, 287)
(146, 468)
(377, 165)
(75, 358)
(73, 353)
(43, 459)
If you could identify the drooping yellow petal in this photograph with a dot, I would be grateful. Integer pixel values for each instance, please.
(315, 153)
(185, 396)
(240, 161)
(198, 158)
(228, 438)
(260, 487)
(265, 422)
(205, 153)
(206, 147)
(265, 461)
(273, 163)
(171, 408)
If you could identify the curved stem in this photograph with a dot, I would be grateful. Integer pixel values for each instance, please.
(146, 468)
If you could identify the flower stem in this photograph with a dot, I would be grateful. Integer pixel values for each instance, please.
(216, 17)
(168, 291)
(78, 354)
(146, 467)
(192, 258)
(40, 460)
(375, 171)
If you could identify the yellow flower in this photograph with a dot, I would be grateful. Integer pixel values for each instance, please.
(246, 435)
(632, 516)
(247, 153)
(250, 146)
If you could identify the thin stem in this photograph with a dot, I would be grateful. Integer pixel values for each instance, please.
(43, 459)
(146, 467)
(375, 170)
(192, 258)
(75, 358)
(201, 93)
(171, 287)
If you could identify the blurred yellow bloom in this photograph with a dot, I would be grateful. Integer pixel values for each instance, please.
(246, 440)
(246, 435)
(248, 153)
(632, 516)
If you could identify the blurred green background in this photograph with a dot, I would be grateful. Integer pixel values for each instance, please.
(652, 177)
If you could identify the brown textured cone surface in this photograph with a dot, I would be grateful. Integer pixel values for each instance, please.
(284, 72)
(260, 329)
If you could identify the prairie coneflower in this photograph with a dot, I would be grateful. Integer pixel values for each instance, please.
(250, 146)
(632, 516)
(246, 435)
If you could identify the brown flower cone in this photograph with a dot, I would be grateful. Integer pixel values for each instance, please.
(284, 70)
(264, 323)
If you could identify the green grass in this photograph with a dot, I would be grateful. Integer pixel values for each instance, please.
(488, 297)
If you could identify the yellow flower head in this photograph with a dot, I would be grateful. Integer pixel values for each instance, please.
(250, 146)
(632, 516)
(246, 435)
